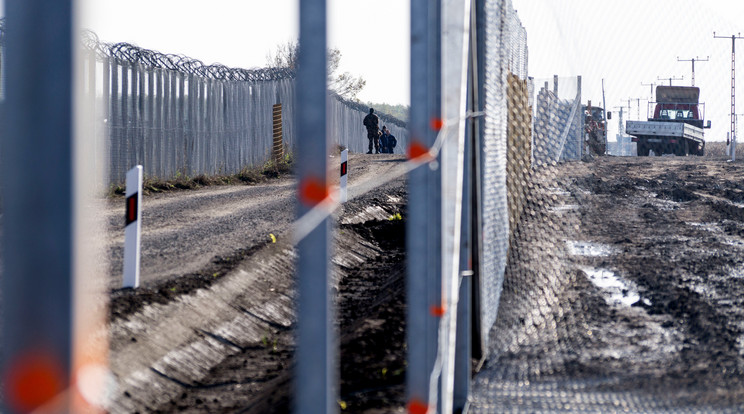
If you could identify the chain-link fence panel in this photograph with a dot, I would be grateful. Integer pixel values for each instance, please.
(621, 286)
(558, 120)
(505, 47)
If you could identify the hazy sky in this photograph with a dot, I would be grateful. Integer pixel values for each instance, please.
(631, 42)
(373, 36)
(626, 42)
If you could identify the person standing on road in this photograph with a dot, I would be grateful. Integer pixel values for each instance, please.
(372, 122)
(384, 140)
(391, 141)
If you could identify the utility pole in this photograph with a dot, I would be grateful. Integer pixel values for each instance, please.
(651, 89)
(604, 114)
(638, 103)
(620, 137)
(670, 79)
(638, 107)
(733, 80)
(693, 60)
(620, 124)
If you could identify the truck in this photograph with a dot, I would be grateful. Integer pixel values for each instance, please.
(676, 126)
(595, 128)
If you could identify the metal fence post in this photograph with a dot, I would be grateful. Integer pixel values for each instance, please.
(315, 375)
(455, 39)
(580, 117)
(468, 241)
(36, 170)
(423, 286)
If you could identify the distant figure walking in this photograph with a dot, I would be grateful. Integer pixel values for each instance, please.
(372, 122)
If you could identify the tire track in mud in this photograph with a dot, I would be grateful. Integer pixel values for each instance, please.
(668, 230)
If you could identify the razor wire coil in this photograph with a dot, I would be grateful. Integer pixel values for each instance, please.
(124, 52)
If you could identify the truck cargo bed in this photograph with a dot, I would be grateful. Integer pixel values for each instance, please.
(664, 129)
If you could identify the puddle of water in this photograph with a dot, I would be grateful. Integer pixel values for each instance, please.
(558, 191)
(706, 226)
(562, 208)
(618, 291)
(734, 242)
(737, 273)
(666, 205)
(581, 248)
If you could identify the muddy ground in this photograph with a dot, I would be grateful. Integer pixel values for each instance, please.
(220, 339)
(624, 291)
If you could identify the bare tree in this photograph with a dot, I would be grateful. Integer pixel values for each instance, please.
(285, 56)
(344, 84)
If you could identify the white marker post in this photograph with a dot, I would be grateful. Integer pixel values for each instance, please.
(344, 172)
(133, 227)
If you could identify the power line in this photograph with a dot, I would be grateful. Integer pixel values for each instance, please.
(651, 89)
(670, 79)
(693, 60)
(638, 107)
(733, 79)
(620, 124)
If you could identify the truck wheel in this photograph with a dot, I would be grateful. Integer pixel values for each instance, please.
(642, 150)
(683, 149)
(701, 150)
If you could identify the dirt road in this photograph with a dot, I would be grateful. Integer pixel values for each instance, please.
(625, 291)
(221, 341)
(184, 232)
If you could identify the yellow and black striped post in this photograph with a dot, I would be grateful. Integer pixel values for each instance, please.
(277, 152)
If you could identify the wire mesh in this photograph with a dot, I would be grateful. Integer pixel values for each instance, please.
(557, 113)
(495, 220)
(615, 280)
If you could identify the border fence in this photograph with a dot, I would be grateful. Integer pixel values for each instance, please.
(468, 140)
(177, 116)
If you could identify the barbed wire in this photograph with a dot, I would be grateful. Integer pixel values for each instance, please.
(130, 53)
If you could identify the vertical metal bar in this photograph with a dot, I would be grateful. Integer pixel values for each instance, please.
(733, 92)
(464, 340)
(479, 75)
(36, 170)
(139, 137)
(104, 121)
(125, 150)
(580, 118)
(455, 29)
(180, 124)
(315, 374)
(424, 273)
